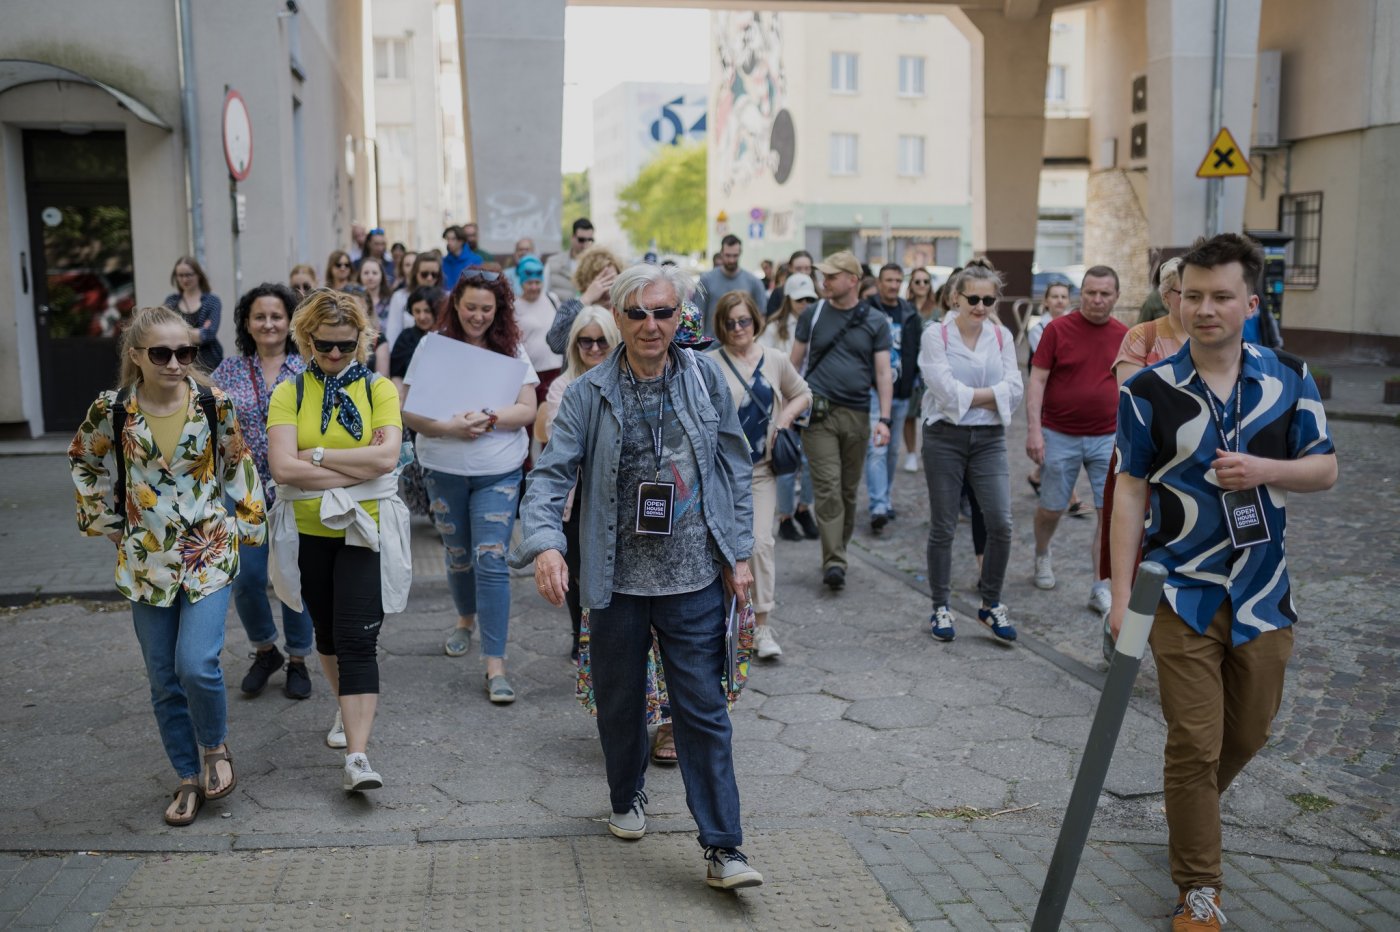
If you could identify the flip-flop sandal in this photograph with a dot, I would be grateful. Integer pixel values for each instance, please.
(214, 790)
(1077, 510)
(1035, 486)
(663, 749)
(181, 793)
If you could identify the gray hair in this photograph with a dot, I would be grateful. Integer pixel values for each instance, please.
(1169, 275)
(632, 281)
(978, 273)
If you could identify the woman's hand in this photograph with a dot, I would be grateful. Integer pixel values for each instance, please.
(599, 287)
(552, 576)
(467, 425)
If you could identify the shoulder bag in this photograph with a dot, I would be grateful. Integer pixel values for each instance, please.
(785, 453)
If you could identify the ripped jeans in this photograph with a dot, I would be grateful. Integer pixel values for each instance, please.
(475, 516)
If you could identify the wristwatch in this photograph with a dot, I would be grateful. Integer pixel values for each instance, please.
(887, 422)
(491, 418)
(317, 455)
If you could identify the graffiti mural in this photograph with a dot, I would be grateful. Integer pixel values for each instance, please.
(754, 130)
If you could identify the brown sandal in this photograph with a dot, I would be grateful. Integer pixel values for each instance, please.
(663, 748)
(181, 792)
(212, 790)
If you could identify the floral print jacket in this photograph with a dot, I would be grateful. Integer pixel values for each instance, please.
(177, 532)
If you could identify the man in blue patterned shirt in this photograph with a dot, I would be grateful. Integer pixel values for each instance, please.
(1214, 438)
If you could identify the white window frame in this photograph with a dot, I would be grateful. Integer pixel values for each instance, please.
(911, 166)
(1056, 84)
(911, 75)
(392, 53)
(845, 73)
(843, 154)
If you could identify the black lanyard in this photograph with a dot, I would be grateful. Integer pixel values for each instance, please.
(1218, 414)
(658, 431)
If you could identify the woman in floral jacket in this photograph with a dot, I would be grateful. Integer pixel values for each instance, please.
(177, 545)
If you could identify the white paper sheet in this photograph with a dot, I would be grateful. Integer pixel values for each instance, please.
(448, 377)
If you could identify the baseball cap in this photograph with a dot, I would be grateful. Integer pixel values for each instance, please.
(843, 261)
(529, 268)
(799, 285)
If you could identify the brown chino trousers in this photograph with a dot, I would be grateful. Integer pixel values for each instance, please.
(835, 448)
(1219, 702)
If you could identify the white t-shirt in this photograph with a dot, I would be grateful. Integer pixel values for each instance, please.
(535, 318)
(491, 454)
(398, 319)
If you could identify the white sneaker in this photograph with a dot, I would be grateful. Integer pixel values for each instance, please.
(335, 738)
(1044, 572)
(911, 462)
(631, 824)
(768, 648)
(1101, 599)
(359, 775)
(728, 869)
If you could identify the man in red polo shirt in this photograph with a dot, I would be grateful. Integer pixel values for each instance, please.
(1071, 415)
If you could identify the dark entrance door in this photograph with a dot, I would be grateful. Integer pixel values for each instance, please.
(80, 234)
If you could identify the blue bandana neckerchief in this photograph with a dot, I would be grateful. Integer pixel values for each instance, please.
(336, 396)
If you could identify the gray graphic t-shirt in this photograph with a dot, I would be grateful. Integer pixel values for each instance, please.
(647, 565)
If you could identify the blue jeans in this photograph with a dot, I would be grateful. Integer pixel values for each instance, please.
(475, 515)
(789, 495)
(250, 598)
(880, 462)
(690, 630)
(181, 645)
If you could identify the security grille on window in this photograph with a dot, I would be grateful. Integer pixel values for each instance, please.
(911, 156)
(391, 59)
(845, 72)
(911, 76)
(1301, 215)
(843, 153)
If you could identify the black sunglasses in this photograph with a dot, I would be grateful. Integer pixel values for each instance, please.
(588, 344)
(803, 300)
(739, 323)
(583, 239)
(345, 346)
(480, 275)
(988, 299)
(343, 265)
(921, 281)
(424, 273)
(160, 355)
(642, 313)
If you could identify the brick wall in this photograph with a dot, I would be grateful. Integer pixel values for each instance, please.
(1115, 231)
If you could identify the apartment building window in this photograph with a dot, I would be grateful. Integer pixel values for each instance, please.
(396, 155)
(845, 72)
(1301, 215)
(843, 153)
(911, 156)
(1055, 84)
(911, 76)
(391, 59)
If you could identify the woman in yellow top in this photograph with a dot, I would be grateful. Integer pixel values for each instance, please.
(177, 545)
(333, 447)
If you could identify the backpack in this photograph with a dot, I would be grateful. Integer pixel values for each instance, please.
(207, 404)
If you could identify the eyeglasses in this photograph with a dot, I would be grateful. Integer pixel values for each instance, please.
(589, 344)
(656, 313)
(160, 355)
(345, 346)
(480, 275)
(739, 323)
(988, 299)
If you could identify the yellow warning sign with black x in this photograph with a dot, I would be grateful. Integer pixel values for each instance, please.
(1224, 158)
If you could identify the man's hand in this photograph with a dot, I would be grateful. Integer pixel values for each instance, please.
(552, 576)
(738, 581)
(1235, 471)
(1035, 447)
(881, 434)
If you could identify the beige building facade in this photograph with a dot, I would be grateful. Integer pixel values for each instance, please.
(96, 190)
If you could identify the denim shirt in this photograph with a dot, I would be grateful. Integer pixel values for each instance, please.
(585, 448)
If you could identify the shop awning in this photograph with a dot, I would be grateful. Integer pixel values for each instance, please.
(16, 72)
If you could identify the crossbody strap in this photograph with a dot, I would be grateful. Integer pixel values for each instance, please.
(767, 415)
(857, 315)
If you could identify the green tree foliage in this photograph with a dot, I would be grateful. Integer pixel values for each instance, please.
(666, 201)
(573, 203)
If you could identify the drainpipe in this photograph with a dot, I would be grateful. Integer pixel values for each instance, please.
(194, 190)
(1214, 186)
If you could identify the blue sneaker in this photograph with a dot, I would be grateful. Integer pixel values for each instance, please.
(940, 624)
(995, 618)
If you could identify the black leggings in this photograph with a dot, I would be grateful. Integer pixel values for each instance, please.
(572, 559)
(340, 585)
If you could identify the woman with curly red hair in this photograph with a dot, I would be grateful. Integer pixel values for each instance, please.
(472, 467)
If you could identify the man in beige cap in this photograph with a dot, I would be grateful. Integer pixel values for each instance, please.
(849, 353)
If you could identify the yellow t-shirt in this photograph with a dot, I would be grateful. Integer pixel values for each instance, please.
(167, 429)
(282, 409)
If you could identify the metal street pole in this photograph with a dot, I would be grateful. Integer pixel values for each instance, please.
(1098, 750)
(1214, 186)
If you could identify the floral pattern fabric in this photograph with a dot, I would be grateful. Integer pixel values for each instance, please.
(177, 532)
(241, 378)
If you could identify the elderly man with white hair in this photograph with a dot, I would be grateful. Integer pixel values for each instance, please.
(652, 439)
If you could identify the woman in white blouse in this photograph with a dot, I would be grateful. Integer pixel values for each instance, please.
(973, 386)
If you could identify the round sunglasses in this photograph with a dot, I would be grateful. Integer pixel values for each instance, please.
(160, 355)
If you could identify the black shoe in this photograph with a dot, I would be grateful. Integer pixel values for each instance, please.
(835, 578)
(891, 515)
(808, 524)
(787, 530)
(265, 663)
(298, 685)
(573, 652)
(878, 522)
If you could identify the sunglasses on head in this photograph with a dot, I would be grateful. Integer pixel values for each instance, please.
(480, 275)
(658, 313)
(739, 323)
(988, 299)
(588, 344)
(345, 346)
(160, 355)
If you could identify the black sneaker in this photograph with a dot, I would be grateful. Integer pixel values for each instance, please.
(787, 530)
(878, 522)
(835, 578)
(265, 663)
(808, 524)
(298, 685)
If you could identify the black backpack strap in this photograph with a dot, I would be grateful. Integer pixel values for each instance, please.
(857, 315)
(118, 451)
(210, 406)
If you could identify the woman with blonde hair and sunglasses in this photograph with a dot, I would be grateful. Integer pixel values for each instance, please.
(177, 452)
